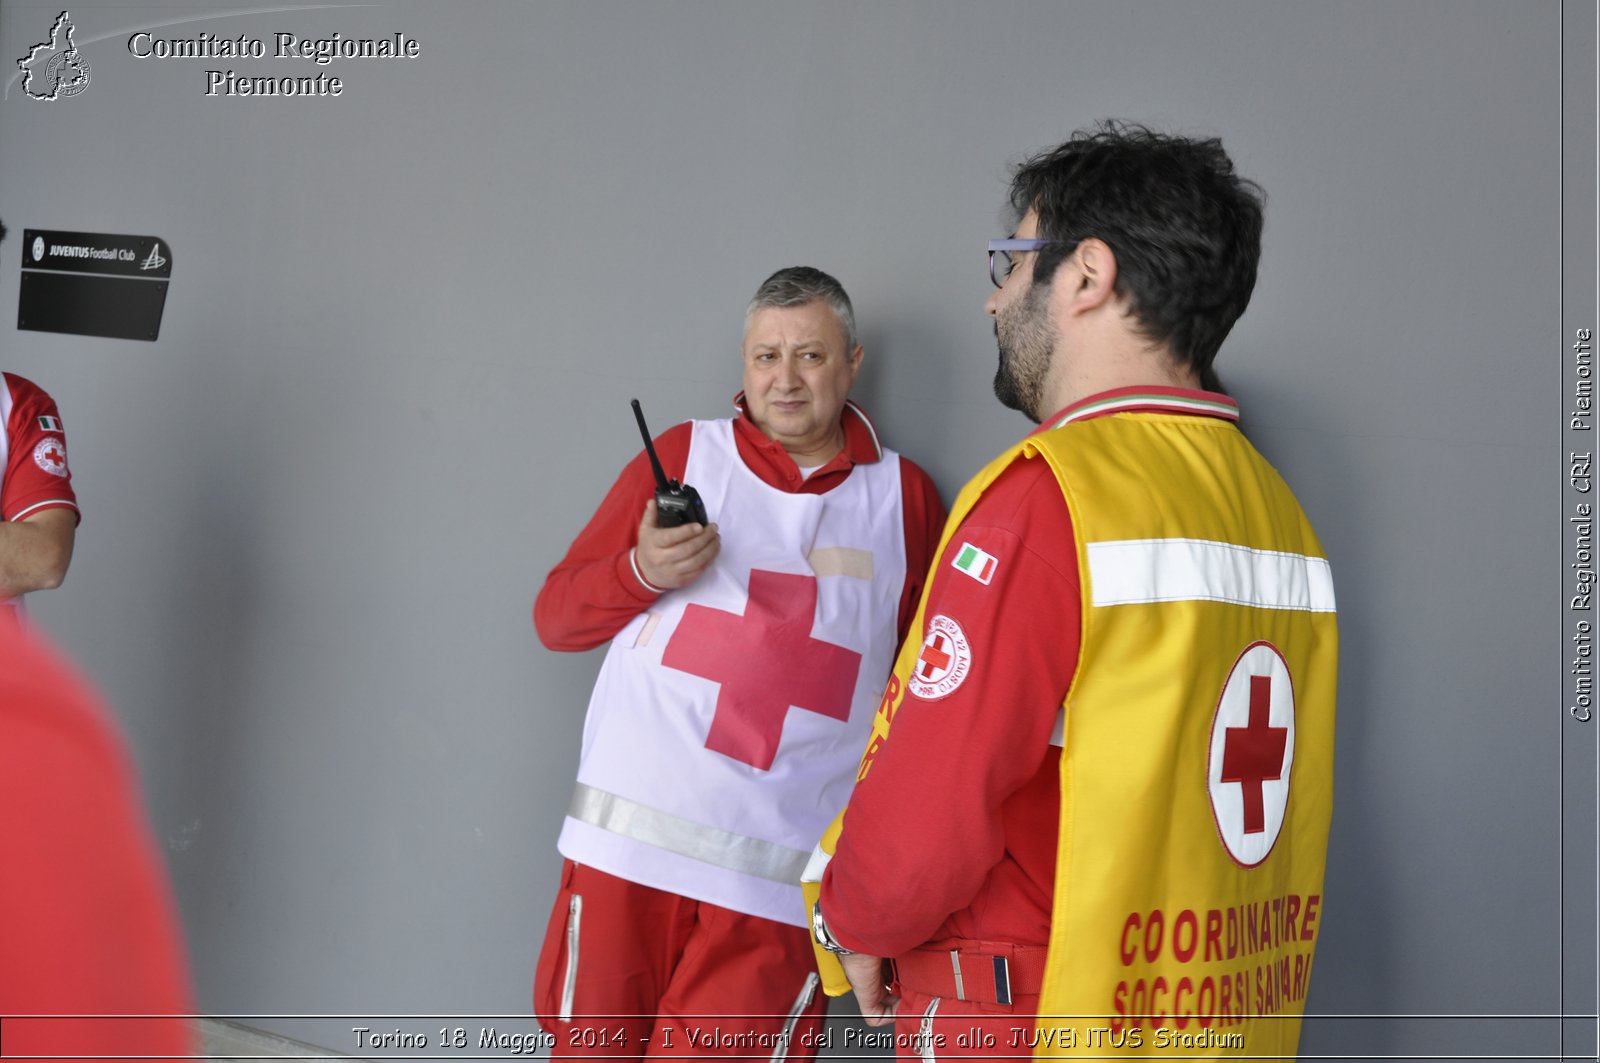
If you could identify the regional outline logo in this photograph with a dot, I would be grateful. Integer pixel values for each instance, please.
(944, 661)
(1252, 753)
(65, 73)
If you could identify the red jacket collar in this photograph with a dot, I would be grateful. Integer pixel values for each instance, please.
(861, 446)
(1148, 399)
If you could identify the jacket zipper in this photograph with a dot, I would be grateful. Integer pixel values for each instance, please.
(569, 981)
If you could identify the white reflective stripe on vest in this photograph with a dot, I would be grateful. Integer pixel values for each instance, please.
(750, 856)
(1133, 571)
(816, 864)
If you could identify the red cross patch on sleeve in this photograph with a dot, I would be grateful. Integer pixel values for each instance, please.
(944, 662)
(51, 456)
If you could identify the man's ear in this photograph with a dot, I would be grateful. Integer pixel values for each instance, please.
(1087, 280)
(856, 358)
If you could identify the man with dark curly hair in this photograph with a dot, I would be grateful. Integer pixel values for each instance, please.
(1105, 794)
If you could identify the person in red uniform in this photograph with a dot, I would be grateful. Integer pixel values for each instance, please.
(87, 927)
(949, 843)
(91, 957)
(38, 510)
(678, 927)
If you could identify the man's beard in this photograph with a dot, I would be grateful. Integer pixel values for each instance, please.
(1025, 337)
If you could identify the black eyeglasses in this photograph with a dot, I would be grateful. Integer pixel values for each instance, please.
(1004, 248)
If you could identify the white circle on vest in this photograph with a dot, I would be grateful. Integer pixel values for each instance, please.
(1252, 752)
(944, 662)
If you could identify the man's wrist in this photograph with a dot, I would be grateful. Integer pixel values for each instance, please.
(639, 576)
(823, 936)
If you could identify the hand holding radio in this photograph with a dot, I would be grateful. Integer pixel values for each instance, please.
(676, 541)
(675, 503)
(674, 557)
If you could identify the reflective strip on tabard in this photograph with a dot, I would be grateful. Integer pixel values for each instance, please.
(1133, 571)
(709, 845)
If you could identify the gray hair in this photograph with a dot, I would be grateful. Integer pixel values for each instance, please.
(799, 285)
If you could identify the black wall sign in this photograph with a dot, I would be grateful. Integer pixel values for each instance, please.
(93, 284)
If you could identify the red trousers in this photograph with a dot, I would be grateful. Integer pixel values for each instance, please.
(630, 972)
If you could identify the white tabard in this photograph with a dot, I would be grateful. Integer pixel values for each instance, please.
(728, 719)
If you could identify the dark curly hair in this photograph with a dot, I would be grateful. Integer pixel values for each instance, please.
(1186, 229)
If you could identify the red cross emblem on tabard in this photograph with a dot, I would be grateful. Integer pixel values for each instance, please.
(1253, 754)
(766, 662)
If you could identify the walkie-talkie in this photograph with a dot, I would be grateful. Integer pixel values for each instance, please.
(675, 503)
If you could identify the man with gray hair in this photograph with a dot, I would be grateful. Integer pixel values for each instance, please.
(746, 660)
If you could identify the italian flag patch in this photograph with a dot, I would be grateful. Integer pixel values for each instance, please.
(975, 563)
(49, 424)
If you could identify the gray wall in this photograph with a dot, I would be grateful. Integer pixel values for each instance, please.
(404, 325)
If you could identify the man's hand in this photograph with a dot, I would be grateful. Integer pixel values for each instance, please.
(674, 557)
(866, 978)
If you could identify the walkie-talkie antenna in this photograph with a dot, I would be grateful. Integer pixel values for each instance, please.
(649, 448)
(676, 504)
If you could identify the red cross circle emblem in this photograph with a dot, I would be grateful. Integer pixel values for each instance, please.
(51, 456)
(766, 662)
(944, 661)
(1252, 750)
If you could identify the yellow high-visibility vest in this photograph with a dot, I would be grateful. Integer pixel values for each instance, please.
(1197, 760)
